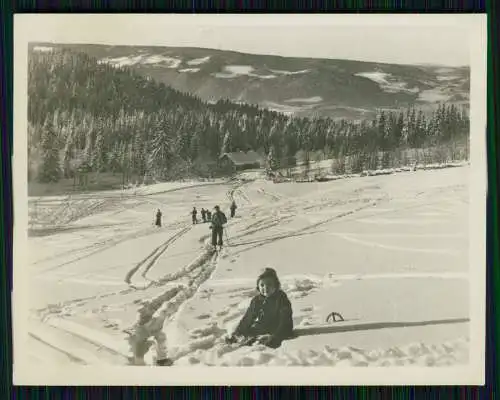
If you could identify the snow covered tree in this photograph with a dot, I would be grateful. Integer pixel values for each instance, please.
(382, 130)
(162, 150)
(50, 168)
(226, 143)
(272, 160)
(338, 165)
(67, 159)
(97, 107)
(307, 163)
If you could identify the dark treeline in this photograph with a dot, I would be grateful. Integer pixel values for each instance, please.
(87, 116)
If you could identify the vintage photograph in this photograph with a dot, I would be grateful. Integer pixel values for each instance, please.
(236, 191)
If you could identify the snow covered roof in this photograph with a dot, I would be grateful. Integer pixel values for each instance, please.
(243, 158)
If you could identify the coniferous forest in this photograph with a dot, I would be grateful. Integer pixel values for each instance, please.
(85, 116)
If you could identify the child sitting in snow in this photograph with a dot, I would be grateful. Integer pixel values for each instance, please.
(268, 319)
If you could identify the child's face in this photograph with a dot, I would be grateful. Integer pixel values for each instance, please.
(267, 287)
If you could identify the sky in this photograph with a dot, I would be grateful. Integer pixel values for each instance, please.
(401, 39)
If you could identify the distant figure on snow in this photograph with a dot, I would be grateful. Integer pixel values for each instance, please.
(268, 319)
(209, 215)
(217, 226)
(203, 215)
(193, 214)
(233, 209)
(158, 218)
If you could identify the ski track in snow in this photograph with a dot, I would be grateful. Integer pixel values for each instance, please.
(113, 200)
(198, 272)
(95, 248)
(197, 275)
(154, 255)
(210, 336)
(353, 239)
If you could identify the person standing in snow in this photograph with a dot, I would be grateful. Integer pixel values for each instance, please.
(203, 215)
(268, 319)
(193, 214)
(209, 215)
(158, 218)
(217, 226)
(233, 209)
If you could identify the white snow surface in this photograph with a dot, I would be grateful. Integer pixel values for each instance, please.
(447, 77)
(389, 253)
(198, 61)
(387, 82)
(233, 71)
(433, 95)
(314, 99)
(43, 49)
(189, 70)
(284, 72)
(166, 61)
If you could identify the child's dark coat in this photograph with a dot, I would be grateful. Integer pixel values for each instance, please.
(268, 315)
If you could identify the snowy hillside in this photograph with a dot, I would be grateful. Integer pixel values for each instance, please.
(389, 253)
(299, 86)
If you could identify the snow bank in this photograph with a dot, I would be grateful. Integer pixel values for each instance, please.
(379, 172)
(450, 353)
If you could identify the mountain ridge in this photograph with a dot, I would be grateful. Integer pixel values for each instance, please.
(212, 49)
(298, 86)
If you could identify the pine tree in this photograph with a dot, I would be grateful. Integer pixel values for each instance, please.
(139, 152)
(162, 148)
(382, 127)
(97, 158)
(226, 144)
(307, 163)
(272, 160)
(67, 159)
(50, 169)
(97, 108)
(195, 146)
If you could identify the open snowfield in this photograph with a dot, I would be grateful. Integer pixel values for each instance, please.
(389, 253)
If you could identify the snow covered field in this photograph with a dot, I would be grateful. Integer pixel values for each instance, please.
(389, 253)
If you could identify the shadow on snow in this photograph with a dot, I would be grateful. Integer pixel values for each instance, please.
(315, 330)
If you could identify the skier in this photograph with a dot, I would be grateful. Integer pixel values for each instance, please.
(217, 226)
(233, 209)
(194, 213)
(158, 218)
(203, 215)
(209, 215)
(268, 319)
